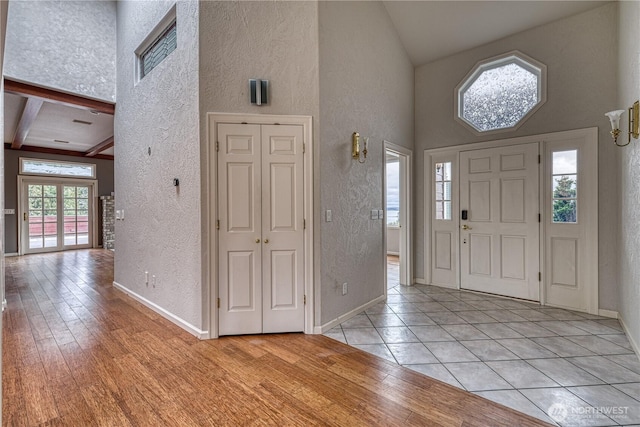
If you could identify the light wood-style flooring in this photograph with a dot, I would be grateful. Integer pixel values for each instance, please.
(77, 352)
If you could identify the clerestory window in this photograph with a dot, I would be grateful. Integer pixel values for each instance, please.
(501, 93)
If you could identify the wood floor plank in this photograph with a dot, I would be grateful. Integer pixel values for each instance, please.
(78, 352)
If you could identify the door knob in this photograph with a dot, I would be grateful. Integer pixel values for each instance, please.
(266, 240)
(466, 227)
(257, 240)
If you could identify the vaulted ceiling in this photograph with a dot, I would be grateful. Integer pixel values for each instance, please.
(41, 119)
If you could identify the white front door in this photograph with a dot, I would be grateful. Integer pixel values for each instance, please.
(261, 259)
(499, 240)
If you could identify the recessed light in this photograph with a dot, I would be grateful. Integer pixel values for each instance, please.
(82, 122)
(60, 141)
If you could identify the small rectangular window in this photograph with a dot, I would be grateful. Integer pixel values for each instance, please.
(564, 182)
(159, 49)
(443, 191)
(57, 168)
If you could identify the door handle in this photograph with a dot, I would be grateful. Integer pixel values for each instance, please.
(466, 227)
(266, 241)
(257, 240)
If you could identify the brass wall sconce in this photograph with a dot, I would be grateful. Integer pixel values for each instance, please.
(355, 147)
(634, 115)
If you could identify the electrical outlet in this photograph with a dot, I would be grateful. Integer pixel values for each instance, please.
(344, 288)
(374, 214)
(380, 213)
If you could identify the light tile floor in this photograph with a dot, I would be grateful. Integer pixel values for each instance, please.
(564, 367)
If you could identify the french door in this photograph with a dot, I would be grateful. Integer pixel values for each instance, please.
(261, 223)
(56, 216)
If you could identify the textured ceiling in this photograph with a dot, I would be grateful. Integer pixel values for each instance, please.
(430, 30)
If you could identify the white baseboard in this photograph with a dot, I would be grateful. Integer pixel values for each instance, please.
(420, 281)
(331, 324)
(11, 254)
(164, 313)
(634, 345)
(608, 313)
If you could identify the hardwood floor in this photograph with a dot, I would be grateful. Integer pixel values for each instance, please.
(78, 352)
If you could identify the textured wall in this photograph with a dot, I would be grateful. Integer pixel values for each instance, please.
(580, 53)
(629, 176)
(366, 85)
(277, 41)
(161, 229)
(104, 175)
(67, 45)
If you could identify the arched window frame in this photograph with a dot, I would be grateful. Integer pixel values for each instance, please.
(513, 57)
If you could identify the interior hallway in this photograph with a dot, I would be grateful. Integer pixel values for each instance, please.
(516, 353)
(78, 352)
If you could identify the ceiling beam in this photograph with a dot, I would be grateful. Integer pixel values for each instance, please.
(51, 95)
(28, 118)
(97, 149)
(34, 149)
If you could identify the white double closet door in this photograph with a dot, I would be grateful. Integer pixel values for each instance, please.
(261, 228)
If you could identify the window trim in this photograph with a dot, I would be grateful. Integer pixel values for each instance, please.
(62, 162)
(513, 56)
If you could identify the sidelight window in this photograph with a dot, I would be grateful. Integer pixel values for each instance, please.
(443, 191)
(565, 186)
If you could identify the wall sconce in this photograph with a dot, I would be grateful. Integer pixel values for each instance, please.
(634, 115)
(355, 147)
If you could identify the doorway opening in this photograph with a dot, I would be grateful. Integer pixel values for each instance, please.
(397, 176)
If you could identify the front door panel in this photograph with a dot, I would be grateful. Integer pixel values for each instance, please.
(499, 241)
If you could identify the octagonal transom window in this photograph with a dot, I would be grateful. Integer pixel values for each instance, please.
(501, 93)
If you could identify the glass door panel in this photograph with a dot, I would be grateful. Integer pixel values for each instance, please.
(76, 215)
(42, 216)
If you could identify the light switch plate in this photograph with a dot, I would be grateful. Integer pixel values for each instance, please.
(328, 215)
(374, 214)
(9, 211)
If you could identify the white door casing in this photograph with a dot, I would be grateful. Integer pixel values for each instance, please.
(499, 243)
(405, 159)
(261, 220)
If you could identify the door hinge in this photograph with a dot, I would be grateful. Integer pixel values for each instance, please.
(217, 224)
(539, 276)
(217, 146)
(539, 159)
(218, 302)
(305, 300)
(304, 224)
(539, 217)
(304, 147)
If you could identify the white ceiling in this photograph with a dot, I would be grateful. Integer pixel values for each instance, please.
(432, 30)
